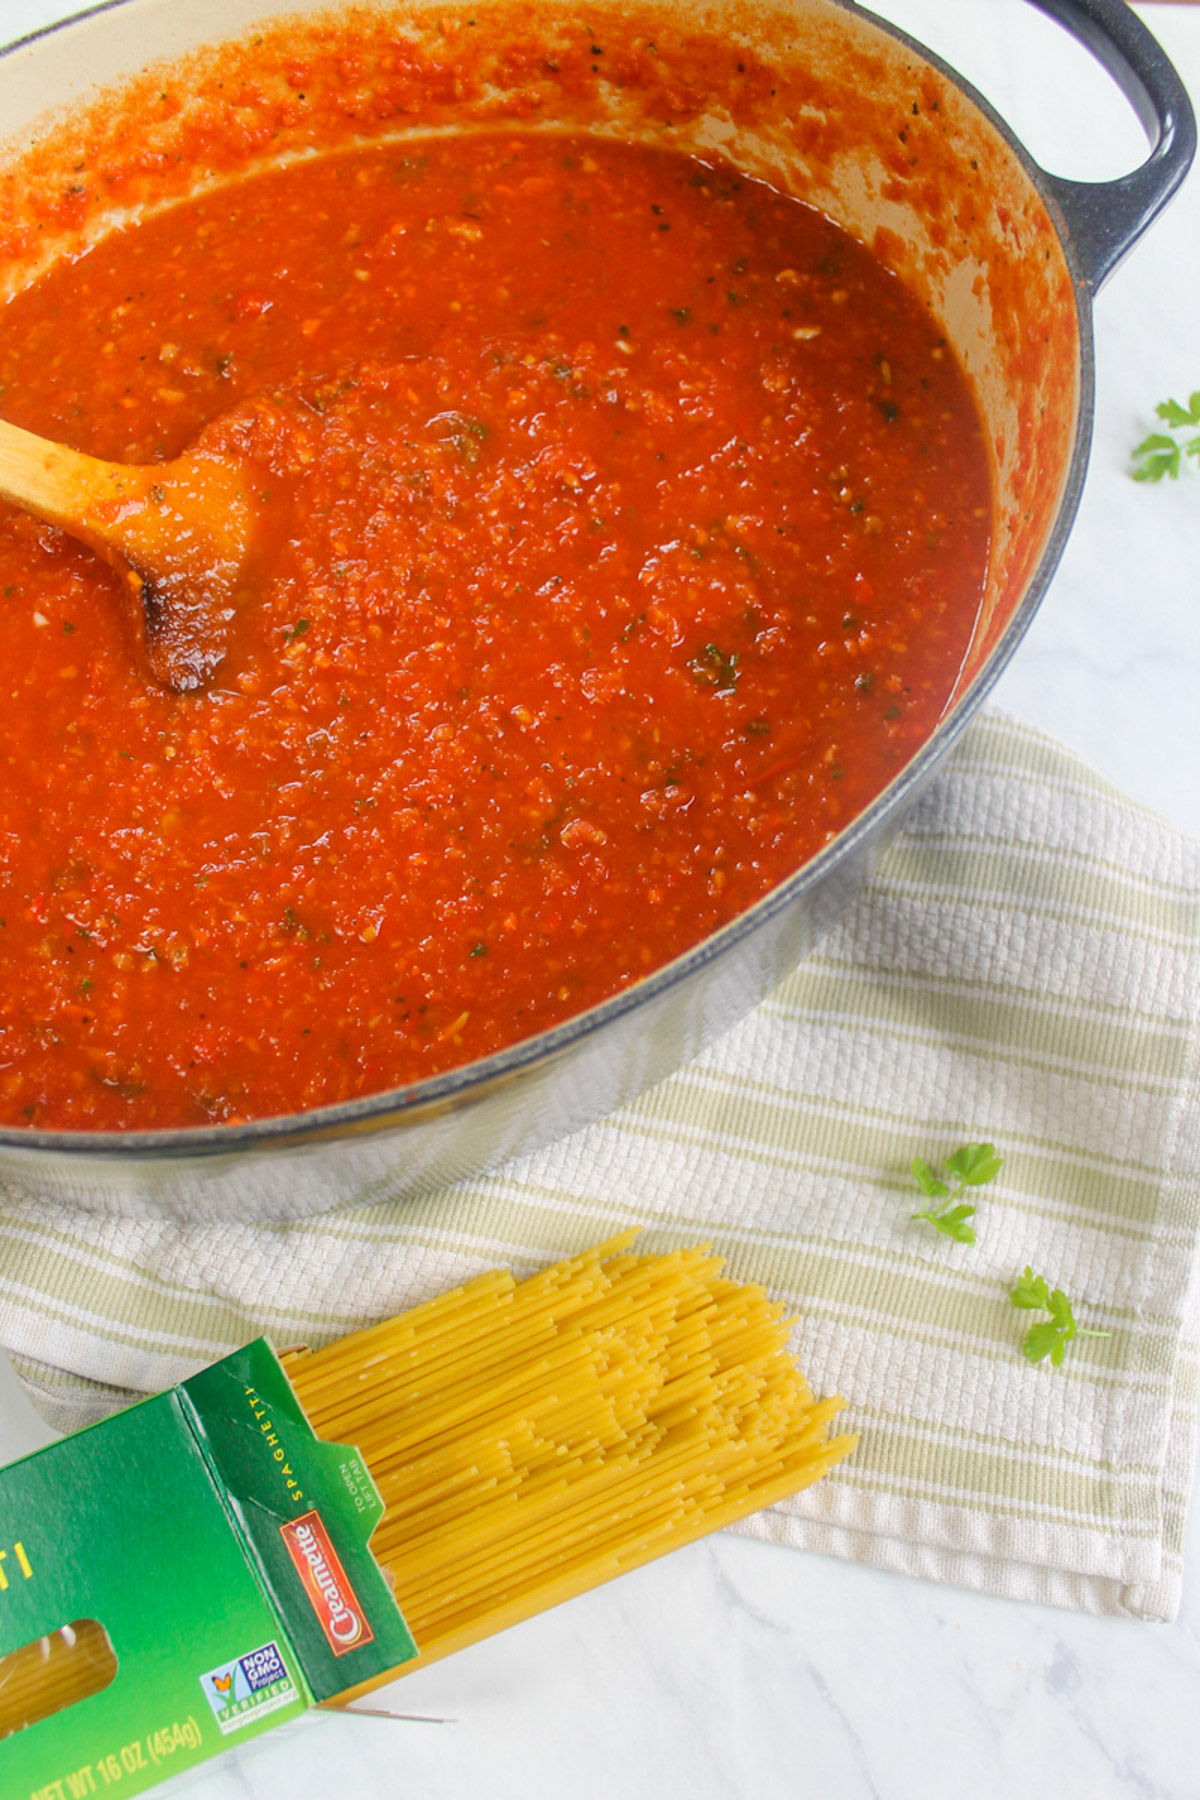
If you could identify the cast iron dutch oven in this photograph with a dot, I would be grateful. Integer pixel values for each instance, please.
(1008, 256)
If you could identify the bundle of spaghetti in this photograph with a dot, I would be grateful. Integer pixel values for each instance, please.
(532, 1439)
(53, 1672)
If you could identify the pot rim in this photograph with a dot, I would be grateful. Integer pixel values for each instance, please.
(454, 1088)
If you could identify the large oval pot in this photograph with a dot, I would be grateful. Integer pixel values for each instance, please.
(860, 122)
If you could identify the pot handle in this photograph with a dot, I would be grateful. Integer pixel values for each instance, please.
(1105, 219)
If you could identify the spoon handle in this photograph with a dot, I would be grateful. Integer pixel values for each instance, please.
(80, 494)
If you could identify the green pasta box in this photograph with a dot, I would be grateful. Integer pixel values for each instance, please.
(180, 1577)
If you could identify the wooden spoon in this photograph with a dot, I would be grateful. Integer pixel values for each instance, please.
(179, 533)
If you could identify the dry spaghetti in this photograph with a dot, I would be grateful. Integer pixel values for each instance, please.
(54, 1672)
(533, 1439)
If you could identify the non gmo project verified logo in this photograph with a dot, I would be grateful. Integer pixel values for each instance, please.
(241, 1691)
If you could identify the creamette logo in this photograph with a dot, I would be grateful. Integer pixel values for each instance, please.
(326, 1583)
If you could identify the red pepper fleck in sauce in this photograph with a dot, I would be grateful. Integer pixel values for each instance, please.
(627, 526)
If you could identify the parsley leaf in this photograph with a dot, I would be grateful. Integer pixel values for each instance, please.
(1159, 454)
(1042, 1341)
(971, 1166)
(1049, 1337)
(952, 1222)
(928, 1181)
(974, 1164)
(1176, 415)
(1031, 1291)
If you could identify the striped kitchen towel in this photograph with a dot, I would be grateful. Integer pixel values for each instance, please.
(1024, 967)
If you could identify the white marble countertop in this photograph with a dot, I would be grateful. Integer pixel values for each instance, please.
(739, 1669)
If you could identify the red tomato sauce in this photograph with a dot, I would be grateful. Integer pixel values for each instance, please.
(628, 524)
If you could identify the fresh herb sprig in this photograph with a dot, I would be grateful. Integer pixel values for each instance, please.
(1161, 454)
(972, 1165)
(1049, 1337)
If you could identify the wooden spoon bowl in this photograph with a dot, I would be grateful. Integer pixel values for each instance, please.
(179, 533)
